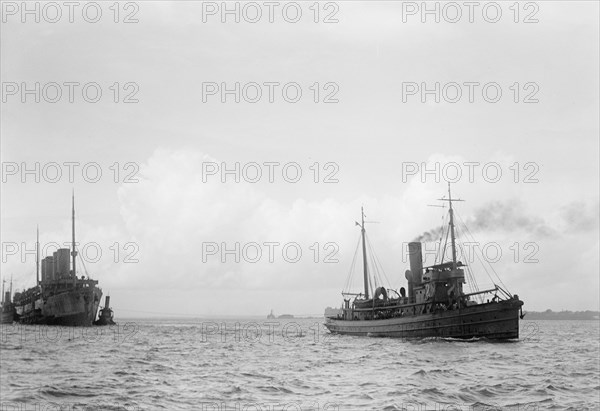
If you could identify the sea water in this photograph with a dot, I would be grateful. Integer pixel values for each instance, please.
(293, 364)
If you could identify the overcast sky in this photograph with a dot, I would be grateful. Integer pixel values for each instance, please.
(165, 208)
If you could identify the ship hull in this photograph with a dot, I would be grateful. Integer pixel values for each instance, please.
(106, 317)
(69, 308)
(496, 320)
(6, 317)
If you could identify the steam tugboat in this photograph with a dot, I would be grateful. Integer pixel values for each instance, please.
(106, 314)
(60, 297)
(7, 308)
(435, 306)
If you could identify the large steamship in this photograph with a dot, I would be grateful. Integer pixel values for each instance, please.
(436, 305)
(59, 297)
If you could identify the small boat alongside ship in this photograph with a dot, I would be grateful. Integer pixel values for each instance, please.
(106, 316)
(60, 297)
(435, 305)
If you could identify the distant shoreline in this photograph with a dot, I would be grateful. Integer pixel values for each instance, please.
(562, 315)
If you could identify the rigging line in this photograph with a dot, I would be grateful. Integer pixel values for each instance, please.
(375, 269)
(380, 279)
(439, 247)
(492, 268)
(371, 271)
(379, 271)
(472, 280)
(84, 267)
(445, 245)
(473, 285)
(375, 273)
(470, 236)
(352, 267)
(481, 261)
(349, 279)
(387, 280)
(378, 262)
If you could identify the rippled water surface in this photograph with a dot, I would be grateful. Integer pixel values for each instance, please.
(259, 364)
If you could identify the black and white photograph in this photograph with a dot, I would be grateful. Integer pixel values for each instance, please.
(304, 205)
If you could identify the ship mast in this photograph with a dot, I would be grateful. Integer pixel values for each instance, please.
(364, 250)
(37, 256)
(74, 252)
(3, 282)
(452, 234)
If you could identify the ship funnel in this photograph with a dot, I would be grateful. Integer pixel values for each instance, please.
(416, 262)
(48, 269)
(107, 301)
(7, 297)
(409, 278)
(61, 263)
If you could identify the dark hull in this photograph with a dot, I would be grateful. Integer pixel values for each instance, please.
(496, 320)
(71, 308)
(7, 317)
(103, 321)
(106, 317)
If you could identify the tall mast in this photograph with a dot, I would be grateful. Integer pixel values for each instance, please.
(37, 256)
(74, 252)
(452, 234)
(3, 282)
(452, 237)
(364, 250)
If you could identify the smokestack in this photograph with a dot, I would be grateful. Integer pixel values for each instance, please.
(47, 269)
(61, 260)
(56, 270)
(416, 262)
(52, 271)
(107, 301)
(411, 292)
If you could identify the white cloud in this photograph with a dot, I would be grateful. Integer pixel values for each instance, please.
(170, 213)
